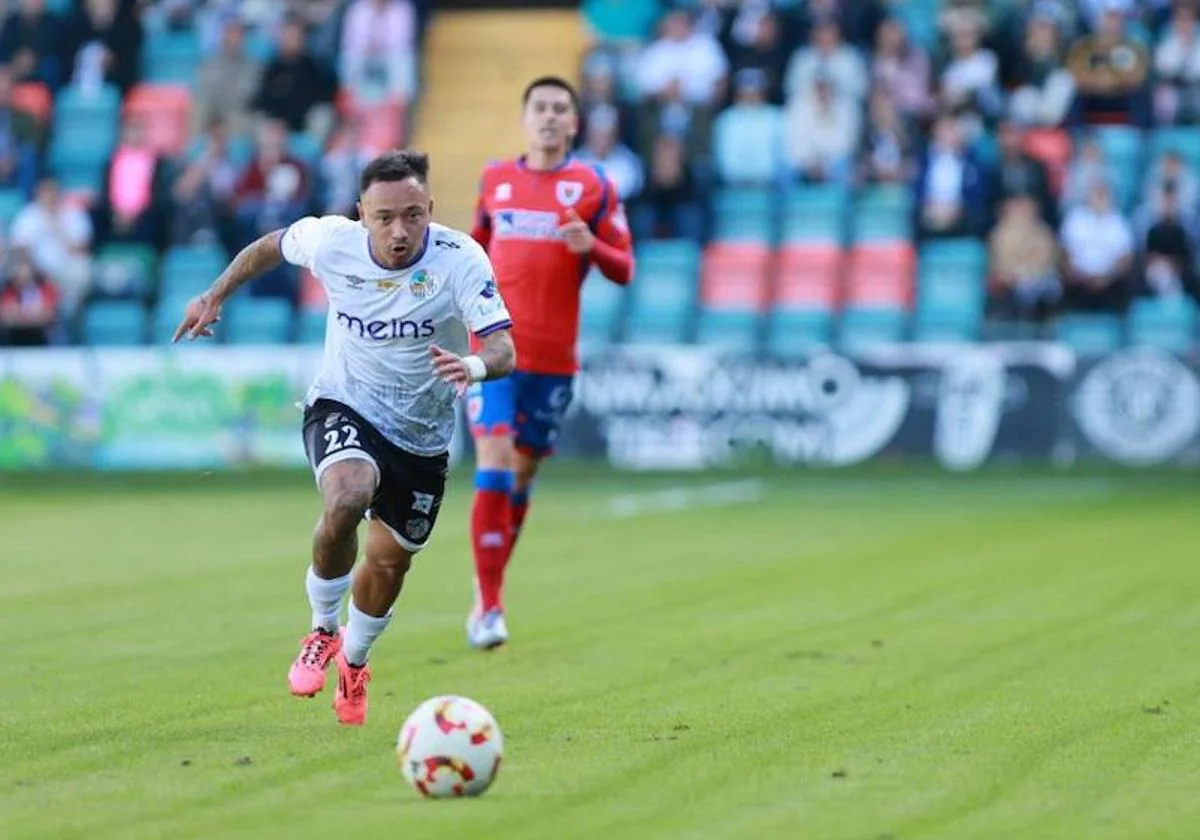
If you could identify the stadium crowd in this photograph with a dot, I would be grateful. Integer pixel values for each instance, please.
(1058, 136)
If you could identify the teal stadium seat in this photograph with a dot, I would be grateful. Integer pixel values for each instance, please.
(600, 309)
(744, 214)
(1091, 335)
(258, 321)
(1166, 323)
(310, 326)
(815, 214)
(187, 270)
(114, 323)
(1184, 140)
(171, 57)
(11, 202)
(735, 330)
(662, 299)
(125, 269)
(165, 317)
(864, 327)
(793, 333)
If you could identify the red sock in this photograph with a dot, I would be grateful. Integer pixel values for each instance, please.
(490, 518)
(518, 507)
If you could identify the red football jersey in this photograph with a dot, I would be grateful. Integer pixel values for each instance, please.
(518, 215)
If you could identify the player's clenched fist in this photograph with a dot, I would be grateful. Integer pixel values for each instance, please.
(577, 234)
(201, 313)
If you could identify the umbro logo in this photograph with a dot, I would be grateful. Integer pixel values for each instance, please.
(355, 281)
(447, 243)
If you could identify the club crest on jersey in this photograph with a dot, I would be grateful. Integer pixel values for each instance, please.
(503, 192)
(568, 193)
(424, 285)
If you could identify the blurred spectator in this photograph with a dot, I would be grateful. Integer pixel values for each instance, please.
(858, 20)
(886, 150)
(323, 20)
(18, 140)
(1170, 174)
(670, 205)
(1098, 254)
(748, 136)
(951, 190)
(1087, 169)
(1023, 259)
(685, 57)
(295, 88)
(1018, 173)
(1044, 91)
(58, 236)
(273, 192)
(603, 148)
(826, 56)
(131, 207)
(341, 166)
(1168, 248)
(203, 194)
(757, 43)
(598, 90)
(30, 41)
(103, 43)
(1177, 66)
(823, 130)
(1110, 71)
(28, 303)
(670, 113)
(901, 69)
(228, 82)
(969, 82)
(378, 62)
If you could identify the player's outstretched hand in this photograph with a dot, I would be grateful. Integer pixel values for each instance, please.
(201, 313)
(450, 368)
(577, 234)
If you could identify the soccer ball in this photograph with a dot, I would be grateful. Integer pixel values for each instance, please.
(450, 746)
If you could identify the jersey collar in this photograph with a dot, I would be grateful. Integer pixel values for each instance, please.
(566, 161)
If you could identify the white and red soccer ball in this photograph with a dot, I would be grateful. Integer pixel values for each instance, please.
(450, 746)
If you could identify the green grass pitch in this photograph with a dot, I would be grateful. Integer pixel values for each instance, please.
(859, 656)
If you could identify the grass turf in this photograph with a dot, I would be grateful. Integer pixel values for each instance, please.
(859, 656)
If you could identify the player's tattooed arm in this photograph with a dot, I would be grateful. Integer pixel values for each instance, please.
(499, 354)
(257, 258)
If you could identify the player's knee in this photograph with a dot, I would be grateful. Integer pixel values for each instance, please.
(524, 469)
(345, 507)
(494, 452)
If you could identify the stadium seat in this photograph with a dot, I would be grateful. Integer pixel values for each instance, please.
(165, 317)
(795, 332)
(600, 309)
(808, 277)
(122, 269)
(883, 214)
(1184, 140)
(735, 330)
(258, 321)
(76, 108)
(868, 326)
(1166, 323)
(880, 276)
(165, 111)
(675, 253)
(735, 275)
(114, 323)
(744, 214)
(662, 299)
(963, 251)
(815, 214)
(310, 326)
(11, 202)
(307, 148)
(171, 56)
(1122, 144)
(1090, 335)
(187, 270)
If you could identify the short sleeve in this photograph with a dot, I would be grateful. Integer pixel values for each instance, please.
(304, 237)
(476, 295)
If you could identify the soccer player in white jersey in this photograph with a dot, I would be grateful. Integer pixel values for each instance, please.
(403, 291)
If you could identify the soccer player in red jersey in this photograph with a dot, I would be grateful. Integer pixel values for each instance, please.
(544, 219)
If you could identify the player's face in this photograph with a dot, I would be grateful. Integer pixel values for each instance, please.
(396, 214)
(550, 119)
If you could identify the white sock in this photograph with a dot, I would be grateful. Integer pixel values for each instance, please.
(361, 632)
(326, 599)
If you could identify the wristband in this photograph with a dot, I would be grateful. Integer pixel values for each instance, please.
(476, 368)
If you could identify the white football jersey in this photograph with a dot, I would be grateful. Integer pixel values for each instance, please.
(382, 321)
